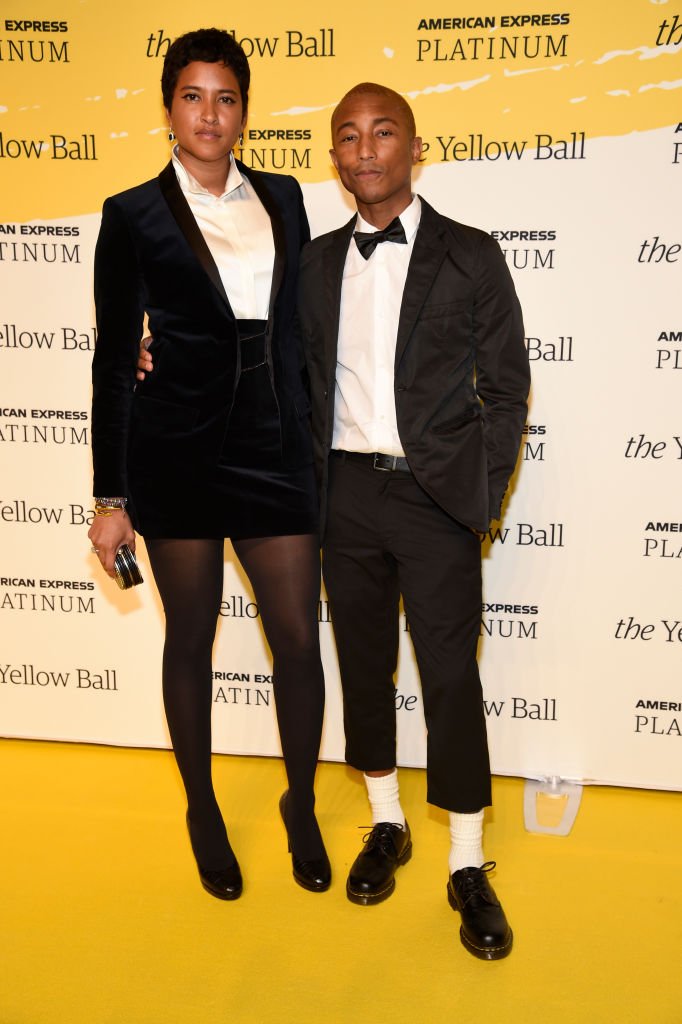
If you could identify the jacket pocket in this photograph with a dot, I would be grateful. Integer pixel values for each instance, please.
(451, 426)
(440, 310)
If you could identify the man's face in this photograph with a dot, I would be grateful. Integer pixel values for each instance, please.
(374, 153)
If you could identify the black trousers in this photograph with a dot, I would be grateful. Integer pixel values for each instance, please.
(386, 537)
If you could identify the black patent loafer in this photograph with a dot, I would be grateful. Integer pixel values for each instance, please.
(372, 876)
(484, 930)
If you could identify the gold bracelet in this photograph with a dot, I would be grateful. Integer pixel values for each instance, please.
(106, 510)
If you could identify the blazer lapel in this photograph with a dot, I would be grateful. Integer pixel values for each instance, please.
(184, 218)
(334, 259)
(278, 234)
(430, 247)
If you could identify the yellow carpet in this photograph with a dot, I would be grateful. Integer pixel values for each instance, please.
(103, 918)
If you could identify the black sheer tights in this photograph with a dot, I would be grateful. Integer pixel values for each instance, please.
(285, 576)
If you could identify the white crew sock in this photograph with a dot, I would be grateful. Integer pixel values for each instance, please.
(384, 798)
(466, 841)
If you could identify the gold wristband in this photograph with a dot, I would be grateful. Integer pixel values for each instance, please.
(107, 510)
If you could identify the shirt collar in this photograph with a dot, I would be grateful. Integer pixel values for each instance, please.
(409, 219)
(188, 183)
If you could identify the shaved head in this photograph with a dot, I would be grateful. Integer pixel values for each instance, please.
(372, 89)
(374, 148)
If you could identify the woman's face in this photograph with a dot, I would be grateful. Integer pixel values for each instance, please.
(206, 113)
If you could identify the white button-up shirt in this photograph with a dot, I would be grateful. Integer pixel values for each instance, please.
(371, 296)
(238, 233)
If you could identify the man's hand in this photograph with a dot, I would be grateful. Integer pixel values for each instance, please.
(145, 364)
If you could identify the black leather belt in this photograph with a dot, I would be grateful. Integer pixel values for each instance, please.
(376, 460)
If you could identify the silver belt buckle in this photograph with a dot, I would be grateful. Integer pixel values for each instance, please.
(384, 469)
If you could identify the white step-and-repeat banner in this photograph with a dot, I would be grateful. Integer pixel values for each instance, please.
(556, 130)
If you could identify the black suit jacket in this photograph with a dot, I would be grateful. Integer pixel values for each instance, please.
(151, 257)
(461, 368)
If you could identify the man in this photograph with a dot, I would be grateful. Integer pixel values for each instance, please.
(419, 380)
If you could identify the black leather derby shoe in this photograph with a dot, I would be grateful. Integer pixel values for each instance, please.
(314, 875)
(226, 883)
(372, 876)
(484, 930)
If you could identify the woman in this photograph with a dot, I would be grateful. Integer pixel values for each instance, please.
(216, 442)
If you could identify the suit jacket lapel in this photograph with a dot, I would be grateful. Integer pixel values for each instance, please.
(184, 218)
(430, 247)
(334, 259)
(278, 234)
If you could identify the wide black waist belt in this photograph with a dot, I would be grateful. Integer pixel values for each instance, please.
(376, 460)
(252, 343)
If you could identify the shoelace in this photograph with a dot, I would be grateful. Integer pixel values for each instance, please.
(380, 836)
(473, 882)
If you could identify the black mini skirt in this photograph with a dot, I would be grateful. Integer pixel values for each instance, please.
(248, 493)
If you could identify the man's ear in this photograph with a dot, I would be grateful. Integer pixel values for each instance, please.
(334, 158)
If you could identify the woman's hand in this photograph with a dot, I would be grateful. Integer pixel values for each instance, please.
(107, 534)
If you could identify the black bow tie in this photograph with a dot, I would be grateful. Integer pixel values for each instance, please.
(367, 241)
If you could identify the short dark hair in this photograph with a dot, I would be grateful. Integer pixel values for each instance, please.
(371, 88)
(211, 46)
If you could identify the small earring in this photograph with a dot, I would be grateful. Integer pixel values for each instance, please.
(241, 140)
(171, 135)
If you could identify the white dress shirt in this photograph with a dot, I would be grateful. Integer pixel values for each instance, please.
(371, 296)
(238, 233)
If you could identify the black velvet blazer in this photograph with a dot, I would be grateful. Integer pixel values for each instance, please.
(152, 258)
(461, 374)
